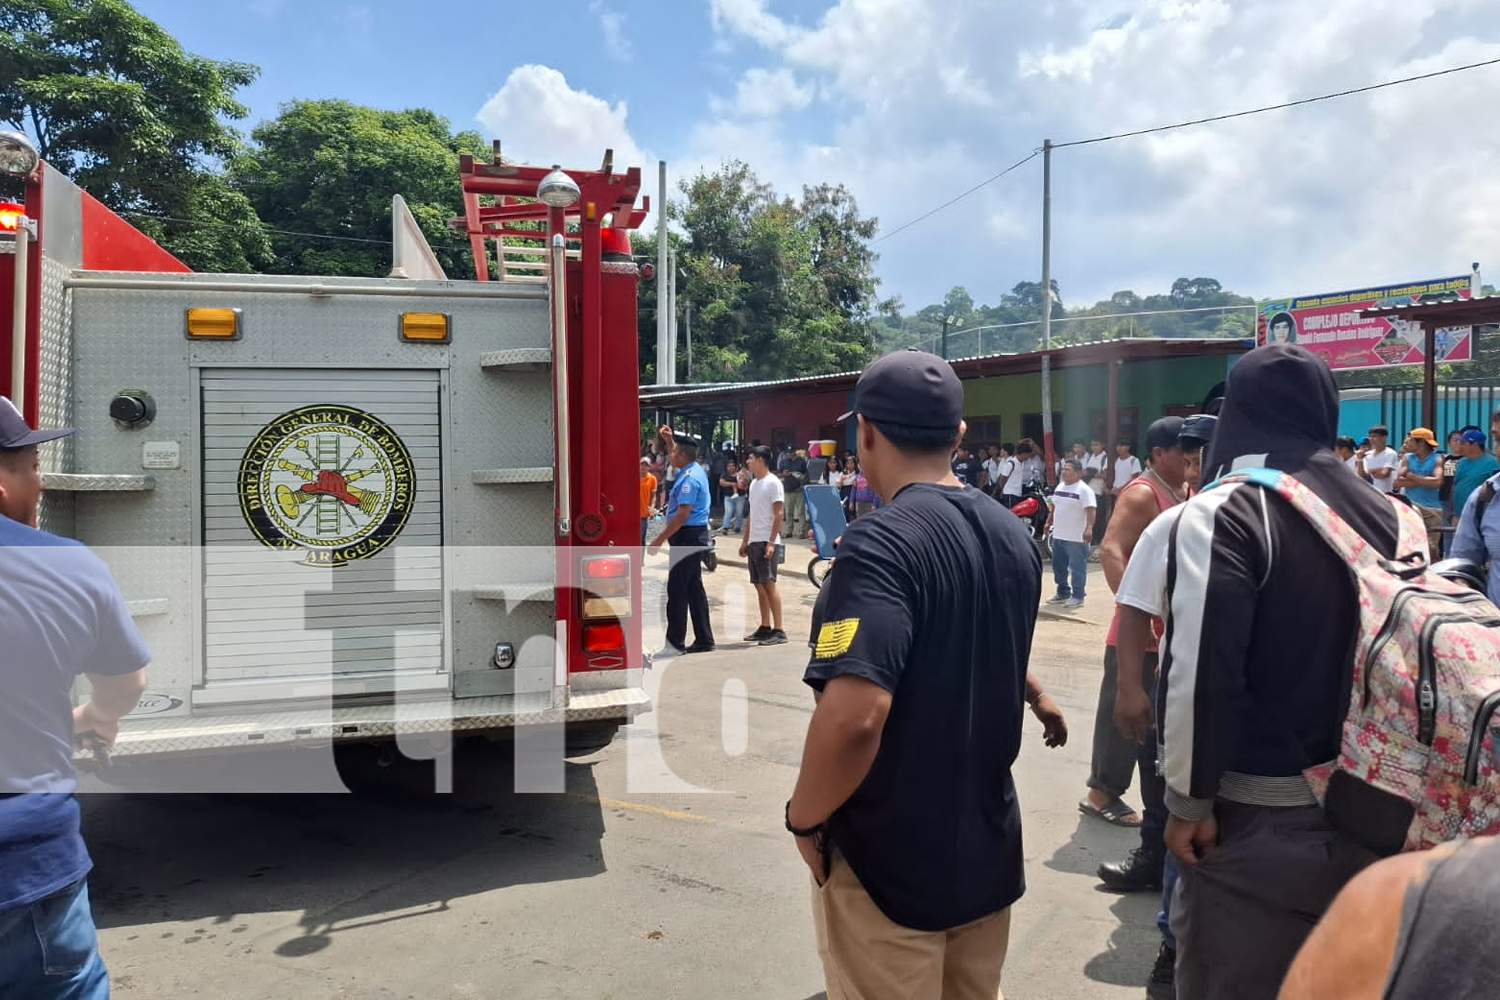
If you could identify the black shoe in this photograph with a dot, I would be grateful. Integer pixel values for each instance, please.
(1139, 872)
(1163, 982)
(776, 638)
(700, 647)
(764, 632)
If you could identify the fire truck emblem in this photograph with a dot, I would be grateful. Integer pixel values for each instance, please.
(333, 481)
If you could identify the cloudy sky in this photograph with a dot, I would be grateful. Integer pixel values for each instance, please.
(910, 102)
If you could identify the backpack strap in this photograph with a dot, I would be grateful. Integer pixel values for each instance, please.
(1352, 547)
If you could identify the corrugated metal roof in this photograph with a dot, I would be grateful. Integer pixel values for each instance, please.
(1134, 348)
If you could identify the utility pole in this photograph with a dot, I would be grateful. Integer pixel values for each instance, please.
(689, 331)
(672, 312)
(1047, 444)
(666, 366)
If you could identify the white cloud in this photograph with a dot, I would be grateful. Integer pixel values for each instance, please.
(927, 97)
(752, 19)
(763, 93)
(539, 118)
(612, 25)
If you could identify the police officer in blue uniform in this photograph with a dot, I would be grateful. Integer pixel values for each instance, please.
(687, 532)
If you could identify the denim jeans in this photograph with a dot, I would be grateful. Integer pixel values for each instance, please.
(734, 512)
(1070, 568)
(50, 951)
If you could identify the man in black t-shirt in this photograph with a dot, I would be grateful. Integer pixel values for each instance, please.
(904, 808)
(966, 467)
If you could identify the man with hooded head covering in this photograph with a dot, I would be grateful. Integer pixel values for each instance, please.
(1255, 679)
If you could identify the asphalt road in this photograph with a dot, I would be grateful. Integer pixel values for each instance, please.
(663, 870)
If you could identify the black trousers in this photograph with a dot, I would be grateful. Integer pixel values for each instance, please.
(685, 593)
(1115, 757)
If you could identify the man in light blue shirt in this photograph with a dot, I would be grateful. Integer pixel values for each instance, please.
(687, 532)
(1479, 543)
(60, 616)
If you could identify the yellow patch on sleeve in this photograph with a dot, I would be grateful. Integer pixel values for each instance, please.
(835, 638)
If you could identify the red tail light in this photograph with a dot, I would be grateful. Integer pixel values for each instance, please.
(606, 568)
(603, 638)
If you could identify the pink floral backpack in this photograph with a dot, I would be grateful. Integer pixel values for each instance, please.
(1423, 725)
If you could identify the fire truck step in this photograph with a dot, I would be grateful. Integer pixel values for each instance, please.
(521, 359)
(500, 477)
(70, 482)
(542, 590)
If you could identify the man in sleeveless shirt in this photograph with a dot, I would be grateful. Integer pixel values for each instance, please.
(1137, 504)
(1407, 928)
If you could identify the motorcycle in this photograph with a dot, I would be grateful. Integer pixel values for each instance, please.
(1034, 508)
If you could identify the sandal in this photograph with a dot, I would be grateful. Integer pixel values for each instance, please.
(1115, 813)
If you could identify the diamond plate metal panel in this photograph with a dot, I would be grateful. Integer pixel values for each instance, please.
(69, 482)
(500, 477)
(54, 398)
(521, 358)
(143, 737)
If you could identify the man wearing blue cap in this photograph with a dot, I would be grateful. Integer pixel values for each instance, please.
(1475, 465)
(687, 532)
(904, 808)
(61, 615)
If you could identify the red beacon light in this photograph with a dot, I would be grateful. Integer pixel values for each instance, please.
(11, 215)
(614, 244)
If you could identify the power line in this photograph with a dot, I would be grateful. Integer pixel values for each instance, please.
(1197, 121)
(1281, 107)
(1014, 166)
(1080, 317)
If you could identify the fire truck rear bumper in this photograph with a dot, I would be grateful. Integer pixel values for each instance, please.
(362, 723)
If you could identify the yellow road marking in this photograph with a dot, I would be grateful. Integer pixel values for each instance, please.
(637, 807)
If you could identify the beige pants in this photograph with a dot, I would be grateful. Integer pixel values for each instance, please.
(868, 957)
(1432, 517)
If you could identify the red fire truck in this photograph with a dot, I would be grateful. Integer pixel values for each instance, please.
(350, 509)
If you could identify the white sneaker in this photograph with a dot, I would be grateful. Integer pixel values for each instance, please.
(1058, 600)
(1076, 602)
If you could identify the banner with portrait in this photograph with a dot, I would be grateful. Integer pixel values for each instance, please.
(1331, 326)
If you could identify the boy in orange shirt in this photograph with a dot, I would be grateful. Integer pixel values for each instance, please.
(648, 493)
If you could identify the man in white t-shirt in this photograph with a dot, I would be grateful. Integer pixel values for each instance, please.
(1142, 596)
(1379, 461)
(1016, 474)
(991, 467)
(1071, 523)
(761, 539)
(1127, 467)
(1094, 463)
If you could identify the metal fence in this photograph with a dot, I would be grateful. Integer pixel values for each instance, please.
(1459, 405)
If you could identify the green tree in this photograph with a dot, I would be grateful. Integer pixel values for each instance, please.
(331, 167)
(777, 287)
(113, 101)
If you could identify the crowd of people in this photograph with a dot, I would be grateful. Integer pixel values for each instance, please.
(729, 474)
(1225, 683)
(1228, 672)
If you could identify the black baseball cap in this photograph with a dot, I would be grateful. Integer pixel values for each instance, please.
(15, 432)
(1199, 427)
(1163, 434)
(910, 389)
